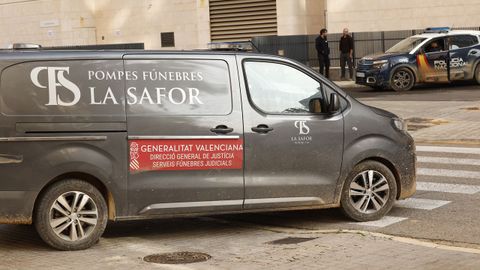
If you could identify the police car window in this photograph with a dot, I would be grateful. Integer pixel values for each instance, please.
(406, 45)
(178, 87)
(436, 45)
(280, 89)
(462, 41)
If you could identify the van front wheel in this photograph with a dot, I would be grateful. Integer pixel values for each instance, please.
(71, 215)
(369, 192)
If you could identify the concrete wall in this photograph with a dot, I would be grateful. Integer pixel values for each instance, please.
(382, 15)
(81, 22)
(300, 17)
(127, 21)
(51, 22)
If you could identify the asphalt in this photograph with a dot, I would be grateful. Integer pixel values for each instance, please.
(460, 91)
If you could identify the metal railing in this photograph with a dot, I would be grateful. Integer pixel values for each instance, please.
(302, 47)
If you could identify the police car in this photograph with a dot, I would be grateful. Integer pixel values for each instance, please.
(438, 55)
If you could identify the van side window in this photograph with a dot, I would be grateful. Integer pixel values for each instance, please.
(280, 89)
(462, 41)
(178, 87)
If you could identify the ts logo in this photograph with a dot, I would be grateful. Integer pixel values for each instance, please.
(302, 127)
(56, 78)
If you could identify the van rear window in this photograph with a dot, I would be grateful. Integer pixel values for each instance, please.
(63, 88)
(178, 87)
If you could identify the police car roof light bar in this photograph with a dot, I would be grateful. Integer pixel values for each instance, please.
(437, 30)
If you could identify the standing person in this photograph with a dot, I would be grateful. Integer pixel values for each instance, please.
(346, 53)
(323, 51)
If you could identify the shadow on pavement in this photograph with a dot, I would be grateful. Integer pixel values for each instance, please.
(25, 238)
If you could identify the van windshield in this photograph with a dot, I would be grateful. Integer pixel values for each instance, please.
(406, 45)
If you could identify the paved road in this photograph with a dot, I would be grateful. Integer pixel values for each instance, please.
(465, 91)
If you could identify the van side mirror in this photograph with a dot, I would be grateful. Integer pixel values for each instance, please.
(334, 105)
(315, 105)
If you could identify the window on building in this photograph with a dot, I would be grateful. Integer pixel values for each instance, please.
(167, 39)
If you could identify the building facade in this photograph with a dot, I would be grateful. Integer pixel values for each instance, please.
(190, 24)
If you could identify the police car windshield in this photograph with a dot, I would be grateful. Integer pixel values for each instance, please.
(406, 45)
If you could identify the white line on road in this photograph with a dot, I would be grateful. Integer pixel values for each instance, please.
(442, 160)
(383, 222)
(448, 173)
(447, 188)
(459, 150)
(424, 204)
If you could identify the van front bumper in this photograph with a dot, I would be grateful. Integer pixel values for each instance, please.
(407, 172)
(16, 207)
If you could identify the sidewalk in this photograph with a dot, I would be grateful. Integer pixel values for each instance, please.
(348, 84)
(452, 122)
(233, 246)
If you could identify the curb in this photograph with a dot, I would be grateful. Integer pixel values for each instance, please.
(450, 142)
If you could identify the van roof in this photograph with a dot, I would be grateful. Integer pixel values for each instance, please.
(41, 54)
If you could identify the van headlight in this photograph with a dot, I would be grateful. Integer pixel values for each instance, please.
(399, 124)
(379, 64)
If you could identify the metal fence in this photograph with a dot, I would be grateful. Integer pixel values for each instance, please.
(302, 47)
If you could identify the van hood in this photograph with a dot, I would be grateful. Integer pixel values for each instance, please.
(383, 112)
(381, 56)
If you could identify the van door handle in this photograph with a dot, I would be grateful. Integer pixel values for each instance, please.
(221, 129)
(263, 129)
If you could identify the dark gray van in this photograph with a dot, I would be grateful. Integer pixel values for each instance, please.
(92, 136)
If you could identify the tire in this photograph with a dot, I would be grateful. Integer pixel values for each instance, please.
(402, 80)
(376, 202)
(477, 73)
(56, 210)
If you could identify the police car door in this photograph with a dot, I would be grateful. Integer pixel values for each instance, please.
(292, 157)
(185, 134)
(463, 55)
(433, 63)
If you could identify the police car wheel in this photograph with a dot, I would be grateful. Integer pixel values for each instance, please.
(477, 73)
(71, 215)
(369, 192)
(402, 80)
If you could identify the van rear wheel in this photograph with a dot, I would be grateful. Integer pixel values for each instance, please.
(402, 80)
(369, 192)
(71, 215)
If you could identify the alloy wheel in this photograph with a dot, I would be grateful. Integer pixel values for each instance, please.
(369, 191)
(73, 216)
(402, 79)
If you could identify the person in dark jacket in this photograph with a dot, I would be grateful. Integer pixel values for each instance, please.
(346, 53)
(323, 51)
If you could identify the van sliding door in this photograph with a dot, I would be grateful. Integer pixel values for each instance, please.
(185, 134)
